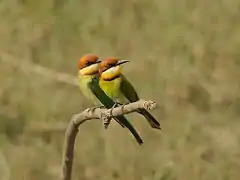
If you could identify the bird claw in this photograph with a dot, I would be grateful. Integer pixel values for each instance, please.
(117, 103)
(107, 122)
(122, 108)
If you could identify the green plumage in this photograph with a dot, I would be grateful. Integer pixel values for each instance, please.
(84, 87)
(121, 91)
(92, 90)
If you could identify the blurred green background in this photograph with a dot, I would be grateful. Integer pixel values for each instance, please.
(185, 55)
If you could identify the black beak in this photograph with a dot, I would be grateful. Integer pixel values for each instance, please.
(122, 62)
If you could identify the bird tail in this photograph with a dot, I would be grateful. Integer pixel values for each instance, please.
(127, 124)
(151, 120)
(106, 123)
(119, 122)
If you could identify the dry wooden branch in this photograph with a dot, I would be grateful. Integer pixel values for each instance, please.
(98, 113)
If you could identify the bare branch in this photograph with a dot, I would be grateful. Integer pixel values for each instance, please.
(98, 113)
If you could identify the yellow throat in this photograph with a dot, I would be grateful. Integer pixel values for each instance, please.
(111, 73)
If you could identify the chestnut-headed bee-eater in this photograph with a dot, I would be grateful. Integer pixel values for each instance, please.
(88, 73)
(117, 87)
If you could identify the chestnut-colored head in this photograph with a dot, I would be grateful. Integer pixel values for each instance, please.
(110, 68)
(88, 64)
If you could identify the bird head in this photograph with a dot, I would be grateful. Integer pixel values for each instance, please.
(110, 68)
(88, 64)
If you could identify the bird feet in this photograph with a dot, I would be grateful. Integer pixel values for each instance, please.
(107, 122)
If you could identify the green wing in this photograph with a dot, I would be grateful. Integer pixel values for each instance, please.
(99, 93)
(130, 93)
(128, 90)
(108, 103)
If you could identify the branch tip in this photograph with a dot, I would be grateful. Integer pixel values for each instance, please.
(149, 105)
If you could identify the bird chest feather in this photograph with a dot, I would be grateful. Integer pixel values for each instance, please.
(83, 85)
(113, 89)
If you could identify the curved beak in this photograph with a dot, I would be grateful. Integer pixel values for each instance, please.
(122, 62)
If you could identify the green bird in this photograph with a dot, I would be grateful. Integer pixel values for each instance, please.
(88, 73)
(118, 88)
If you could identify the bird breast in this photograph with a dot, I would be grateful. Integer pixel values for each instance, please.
(113, 89)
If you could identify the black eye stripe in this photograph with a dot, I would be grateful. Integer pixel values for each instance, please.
(110, 66)
(89, 63)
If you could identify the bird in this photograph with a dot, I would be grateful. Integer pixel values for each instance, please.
(88, 74)
(88, 68)
(119, 88)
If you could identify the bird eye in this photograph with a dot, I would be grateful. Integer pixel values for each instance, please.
(111, 65)
(89, 63)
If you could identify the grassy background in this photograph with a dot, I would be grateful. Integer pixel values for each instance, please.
(185, 56)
